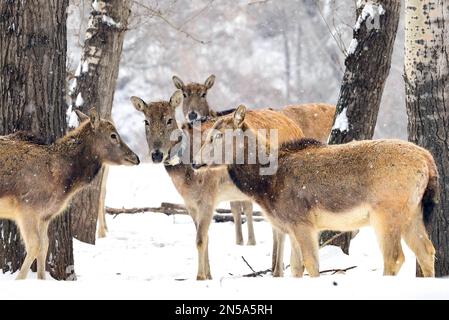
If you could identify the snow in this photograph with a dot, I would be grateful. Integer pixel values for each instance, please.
(341, 123)
(85, 67)
(78, 70)
(372, 10)
(72, 118)
(98, 6)
(110, 22)
(153, 256)
(72, 86)
(79, 100)
(73, 121)
(352, 46)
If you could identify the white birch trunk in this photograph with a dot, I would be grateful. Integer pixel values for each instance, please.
(427, 96)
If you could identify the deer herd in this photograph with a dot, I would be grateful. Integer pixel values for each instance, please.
(276, 158)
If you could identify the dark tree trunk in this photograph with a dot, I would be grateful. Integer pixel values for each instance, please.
(94, 87)
(299, 40)
(33, 44)
(287, 63)
(427, 99)
(367, 67)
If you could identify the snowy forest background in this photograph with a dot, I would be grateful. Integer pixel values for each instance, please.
(264, 53)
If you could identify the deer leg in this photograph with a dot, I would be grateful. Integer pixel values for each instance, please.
(208, 274)
(306, 239)
(202, 218)
(389, 239)
(202, 247)
(277, 260)
(418, 241)
(296, 261)
(248, 210)
(43, 249)
(236, 209)
(102, 225)
(207, 265)
(30, 236)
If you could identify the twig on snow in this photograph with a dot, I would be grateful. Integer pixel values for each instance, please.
(249, 266)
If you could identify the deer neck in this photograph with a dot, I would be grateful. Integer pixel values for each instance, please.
(248, 180)
(80, 165)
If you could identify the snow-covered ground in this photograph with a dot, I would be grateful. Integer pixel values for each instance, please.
(154, 256)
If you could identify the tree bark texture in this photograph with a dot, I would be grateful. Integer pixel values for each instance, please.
(367, 64)
(427, 99)
(33, 45)
(94, 87)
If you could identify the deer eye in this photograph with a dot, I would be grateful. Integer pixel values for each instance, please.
(203, 95)
(169, 121)
(184, 94)
(114, 136)
(147, 123)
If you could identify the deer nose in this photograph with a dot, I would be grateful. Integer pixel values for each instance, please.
(196, 165)
(193, 116)
(157, 156)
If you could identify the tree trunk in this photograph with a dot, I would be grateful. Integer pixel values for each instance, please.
(299, 40)
(286, 45)
(94, 86)
(367, 67)
(427, 99)
(33, 45)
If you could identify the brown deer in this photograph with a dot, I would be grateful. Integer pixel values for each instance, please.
(38, 181)
(391, 185)
(201, 192)
(314, 119)
(196, 107)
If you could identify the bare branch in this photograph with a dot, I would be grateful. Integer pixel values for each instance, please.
(260, 273)
(249, 266)
(197, 14)
(334, 271)
(224, 215)
(230, 218)
(339, 42)
(258, 2)
(257, 274)
(166, 208)
(328, 241)
(160, 15)
(227, 211)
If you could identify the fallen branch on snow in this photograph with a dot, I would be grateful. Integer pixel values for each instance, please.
(230, 218)
(224, 215)
(260, 273)
(328, 241)
(334, 271)
(257, 273)
(166, 208)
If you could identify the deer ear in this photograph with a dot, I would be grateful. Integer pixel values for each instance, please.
(81, 116)
(178, 82)
(210, 81)
(138, 103)
(239, 116)
(217, 124)
(94, 118)
(176, 99)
